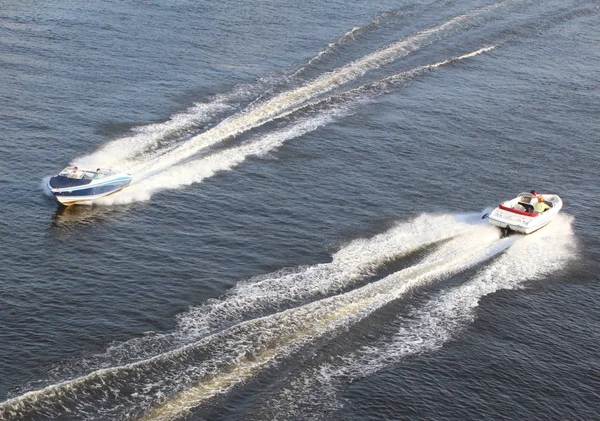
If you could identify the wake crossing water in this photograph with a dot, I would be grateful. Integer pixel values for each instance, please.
(168, 385)
(431, 325)
(159, 169)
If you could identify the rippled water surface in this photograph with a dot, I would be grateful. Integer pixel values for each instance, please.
(303, 236)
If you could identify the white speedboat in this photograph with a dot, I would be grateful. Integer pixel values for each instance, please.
(74, 186)
(526, 213)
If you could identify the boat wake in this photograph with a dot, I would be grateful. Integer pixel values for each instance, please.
(264, 321)
(173, 154)
(429, 326)
(255, 119)
(193, 162)
(220, 134)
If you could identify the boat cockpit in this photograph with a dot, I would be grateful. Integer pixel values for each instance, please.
(526, 202)
(77, 174)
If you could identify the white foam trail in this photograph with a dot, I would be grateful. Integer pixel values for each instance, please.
(464, 56)
(347, 37)
(125, 152)
(198, 170)
(354, 262)
(432, 325)
(116, 152)
(530, 258)
(384, 83)
(333, 46)
(263, 295)
(275, 107)
(203, 369)
(295, 327)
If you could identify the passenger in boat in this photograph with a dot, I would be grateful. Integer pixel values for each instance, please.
(75, 173)
(541, 206)
(98, 173)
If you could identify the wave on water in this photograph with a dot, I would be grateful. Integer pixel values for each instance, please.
(351, 35)
(200, 169)
(197, 143)
(354, 263)
(357, 261)
(159, 156)
(229, 351)
(264, 320)
(431, 325)
(154, 138)
(165, 173)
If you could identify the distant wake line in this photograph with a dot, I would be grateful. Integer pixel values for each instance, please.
(167, 172)
(160, 157)
(233, 348)
(350, 35)
(128, 154)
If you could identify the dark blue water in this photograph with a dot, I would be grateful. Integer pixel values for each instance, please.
(302, 239)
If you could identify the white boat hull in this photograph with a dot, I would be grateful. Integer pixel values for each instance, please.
(504, 216)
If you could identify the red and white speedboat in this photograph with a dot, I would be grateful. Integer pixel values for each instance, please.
(520, 214)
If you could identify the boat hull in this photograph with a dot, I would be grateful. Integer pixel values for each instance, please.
(88, 193)
(520, 227)
(524, 222)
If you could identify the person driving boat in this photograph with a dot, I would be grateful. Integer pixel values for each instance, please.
(540, 206)
(98, 173)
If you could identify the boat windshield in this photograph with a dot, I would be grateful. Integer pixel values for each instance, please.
(525, 197)
(75, 173)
